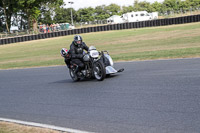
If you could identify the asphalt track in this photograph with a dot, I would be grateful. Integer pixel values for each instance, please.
(148, 97)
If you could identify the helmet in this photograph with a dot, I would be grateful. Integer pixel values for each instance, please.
(64, 52)
(78, 40)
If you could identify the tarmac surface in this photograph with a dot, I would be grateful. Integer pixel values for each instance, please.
(160, 96)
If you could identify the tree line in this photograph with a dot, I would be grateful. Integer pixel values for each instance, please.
(25, 12)
(33, 12)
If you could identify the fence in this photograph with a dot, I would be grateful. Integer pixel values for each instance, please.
(158, 22)
(179, 13)
(16, 33)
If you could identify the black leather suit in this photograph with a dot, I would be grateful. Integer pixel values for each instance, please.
(76, 53)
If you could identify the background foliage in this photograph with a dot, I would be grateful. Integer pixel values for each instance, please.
(30, 12)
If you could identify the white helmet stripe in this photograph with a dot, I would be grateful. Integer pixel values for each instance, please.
(79, 38)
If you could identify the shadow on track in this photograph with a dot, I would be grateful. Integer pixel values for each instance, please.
(70, 81)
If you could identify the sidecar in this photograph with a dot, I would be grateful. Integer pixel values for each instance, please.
(109, 64)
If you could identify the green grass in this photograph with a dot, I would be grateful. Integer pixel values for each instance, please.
(164, 54)
(176, 41)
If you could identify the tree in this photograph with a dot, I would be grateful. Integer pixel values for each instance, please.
(156, 7)
(136, 5)
(46, 15)
(101, 13)
(49, 11)
(185, 5)
(170, 5)
(86, 14)
(63, 15)
(32, 8)
(2, 25)
(9, 7)
(126, 9)
(143, 6)
(194, 3)
(113, 9)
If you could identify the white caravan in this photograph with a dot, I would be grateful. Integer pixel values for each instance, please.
(139, 16)
(115, 19)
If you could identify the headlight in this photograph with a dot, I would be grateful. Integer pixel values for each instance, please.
(94, 54)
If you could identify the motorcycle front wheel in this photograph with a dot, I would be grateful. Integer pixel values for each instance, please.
(73, 75)
(99, 71)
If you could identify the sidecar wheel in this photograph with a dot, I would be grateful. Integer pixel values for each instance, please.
(73, 75)
(99, 71)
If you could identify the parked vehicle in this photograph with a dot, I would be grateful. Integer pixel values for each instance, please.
(14, 29)
(115, 19)
(139, 16)
(132, 17)
(154, 15)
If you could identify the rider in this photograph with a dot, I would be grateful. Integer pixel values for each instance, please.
(76, 51)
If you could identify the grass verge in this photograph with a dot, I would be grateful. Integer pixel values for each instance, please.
(175, 41)
(6, 127)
